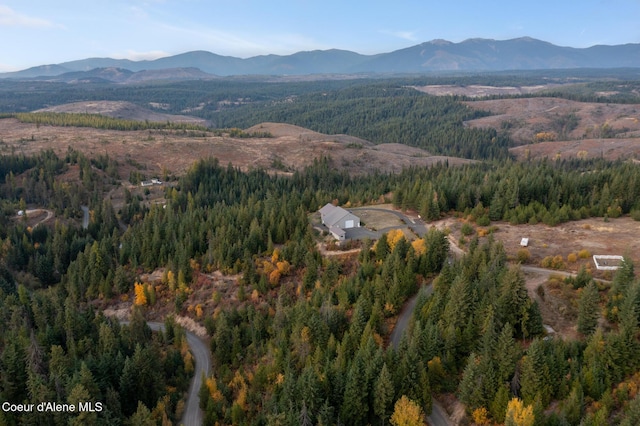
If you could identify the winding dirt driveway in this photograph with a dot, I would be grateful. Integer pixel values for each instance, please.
(192, 415)
(39, 211)
(438, 416)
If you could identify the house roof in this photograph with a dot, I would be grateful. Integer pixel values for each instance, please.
(326, 209)
(332, 214)
(338, 232)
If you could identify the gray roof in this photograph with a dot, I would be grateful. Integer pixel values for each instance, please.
(332, 214)
(338, 232)
(328, 208)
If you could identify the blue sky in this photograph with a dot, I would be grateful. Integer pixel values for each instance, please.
(36, 32)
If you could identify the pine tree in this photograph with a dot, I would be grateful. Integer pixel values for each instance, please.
(573, 408)
(588, 309)
(469, 390)
(535, 377)
(514, 303)
(632, 414)
(355, 407)
(621, 282)
(499, 404)
(383, 395)
(507, 353)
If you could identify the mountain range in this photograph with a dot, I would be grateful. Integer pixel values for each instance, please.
(434, 56)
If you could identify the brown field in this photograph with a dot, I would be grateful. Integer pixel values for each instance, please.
(611, 149)
(618, 236)
(558, 301)
(153, 152)
(477, 91)
(608, 130)
(124, 110)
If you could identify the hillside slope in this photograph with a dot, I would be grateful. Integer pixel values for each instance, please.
(124, 110)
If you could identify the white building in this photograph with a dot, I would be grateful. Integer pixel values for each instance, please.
(337, 220)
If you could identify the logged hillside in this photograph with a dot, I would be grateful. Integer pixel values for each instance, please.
(555, 127)
(123, 110)
(157, 152)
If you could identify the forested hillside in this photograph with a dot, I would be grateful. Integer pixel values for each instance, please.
(54, 349)
(306, 336)
(299, 335)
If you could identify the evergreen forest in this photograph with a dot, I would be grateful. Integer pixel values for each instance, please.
(302, 337)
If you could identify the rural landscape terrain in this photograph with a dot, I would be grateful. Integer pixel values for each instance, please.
(320, 248)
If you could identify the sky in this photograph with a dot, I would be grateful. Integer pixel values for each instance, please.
(38, 32)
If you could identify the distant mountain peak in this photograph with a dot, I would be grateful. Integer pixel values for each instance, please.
(440, 42)
(474, 54)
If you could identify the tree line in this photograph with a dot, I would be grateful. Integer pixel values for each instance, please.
(99, 121)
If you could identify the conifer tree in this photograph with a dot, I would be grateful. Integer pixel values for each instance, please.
(588, 309)
(383, 395)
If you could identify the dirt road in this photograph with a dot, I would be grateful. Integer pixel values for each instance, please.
(35, 212)
(438, 416)
(192, 415)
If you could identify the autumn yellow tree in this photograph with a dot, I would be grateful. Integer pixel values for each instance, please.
(407, 413)
(283, 267)
(169, 278)
(274, 277)
(239, 385)
(214, 392)
(141, 297)
(393, 237)
(419, 246)
(518, 414)
(481, 416)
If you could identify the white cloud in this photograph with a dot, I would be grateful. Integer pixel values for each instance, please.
(140, 56)
(230, 43)
(405, 35)
(11, 18)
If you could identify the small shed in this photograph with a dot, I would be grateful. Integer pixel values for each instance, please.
(524, 242)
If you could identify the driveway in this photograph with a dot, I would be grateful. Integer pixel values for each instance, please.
(416, 225)
(192, 415)
(438, 416)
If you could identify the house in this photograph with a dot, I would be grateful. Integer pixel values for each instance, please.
(333, 216)
(338, 220)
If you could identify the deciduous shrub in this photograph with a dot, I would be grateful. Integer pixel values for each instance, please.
(523, 255)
